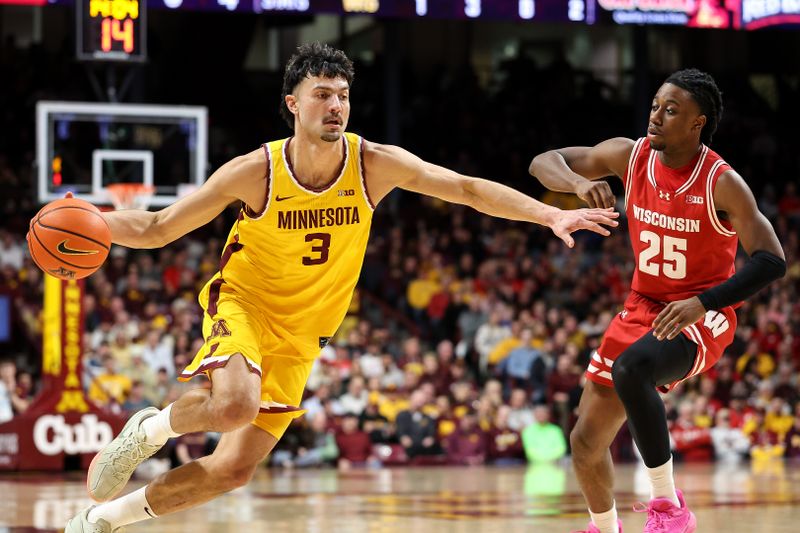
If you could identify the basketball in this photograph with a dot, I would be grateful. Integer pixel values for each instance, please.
(69, 239)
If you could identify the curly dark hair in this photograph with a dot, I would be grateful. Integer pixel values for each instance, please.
(313, 59)
(705, 92)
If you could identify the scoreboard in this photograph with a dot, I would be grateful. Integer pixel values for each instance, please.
(549, 10)
(114, 29)
(111, 29)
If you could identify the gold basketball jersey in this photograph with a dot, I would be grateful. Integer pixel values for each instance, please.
(298, 261)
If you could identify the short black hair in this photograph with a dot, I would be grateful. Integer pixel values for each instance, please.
(705, 92)
(313, 59)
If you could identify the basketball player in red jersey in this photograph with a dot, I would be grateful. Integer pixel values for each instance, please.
(687, 211)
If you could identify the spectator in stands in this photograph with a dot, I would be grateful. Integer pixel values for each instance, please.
(317, 445)
(157, 352)
(778, 417)
(562, 383)
(786, 384)
(765, 443)
(730, 444)
(504, 444)
(314, 404)
(489, 335)
(136, 400)
(791, 442)
(469, 321)
(521, 414)
(543, 441)
(25, 386)
(6, 404)
(110, 387)
(355, 446)
(11, 253)
(524, 367)
(191, 446)
(467, 445)
(355, 400)
(739, 410)
(416, 430)
(493, 390)
(374, 424)
(691, 442)
(13, 400)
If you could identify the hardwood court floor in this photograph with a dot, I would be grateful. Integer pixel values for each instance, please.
(747, 498)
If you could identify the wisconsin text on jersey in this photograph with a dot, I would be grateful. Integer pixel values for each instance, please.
(687, 225)
(318, 218)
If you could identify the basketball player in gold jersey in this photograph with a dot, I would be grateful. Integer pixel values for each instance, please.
(286, 279)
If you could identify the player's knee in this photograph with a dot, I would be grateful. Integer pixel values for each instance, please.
(234, 411)
(229, 477)
(630, 370)
(582, 443)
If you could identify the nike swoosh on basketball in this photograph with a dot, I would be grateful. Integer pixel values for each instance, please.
(280, 198)
(64, 249)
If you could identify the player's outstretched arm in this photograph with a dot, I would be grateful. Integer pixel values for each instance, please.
(390, 166)
(237, 179)
(576, 169)
(766, 264)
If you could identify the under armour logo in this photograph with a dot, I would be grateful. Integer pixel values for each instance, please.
(623, 313)
(664, 195)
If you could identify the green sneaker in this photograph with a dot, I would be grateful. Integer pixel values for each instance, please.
(113, 466)
(81, 524)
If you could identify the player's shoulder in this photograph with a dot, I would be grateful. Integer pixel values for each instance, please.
(240, 172)
(376, 155)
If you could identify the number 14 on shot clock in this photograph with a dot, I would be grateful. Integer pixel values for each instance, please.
(111, 30)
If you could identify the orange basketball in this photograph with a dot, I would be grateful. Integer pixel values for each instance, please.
(69, 239)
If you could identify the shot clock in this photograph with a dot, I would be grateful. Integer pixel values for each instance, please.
(111, 30)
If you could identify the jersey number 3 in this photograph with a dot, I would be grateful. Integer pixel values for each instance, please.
(672, 263)
(322, 249)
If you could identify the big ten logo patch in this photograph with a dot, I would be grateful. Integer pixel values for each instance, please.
(219, 329)
(690, 199)
(346, 192)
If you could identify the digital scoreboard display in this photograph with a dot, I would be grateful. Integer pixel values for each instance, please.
(111, 30)
(122, 35)
(550, 10)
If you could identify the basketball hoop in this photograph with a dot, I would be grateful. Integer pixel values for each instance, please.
(130, 195)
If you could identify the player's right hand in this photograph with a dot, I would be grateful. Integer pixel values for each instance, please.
(596, 193)
(565, 222)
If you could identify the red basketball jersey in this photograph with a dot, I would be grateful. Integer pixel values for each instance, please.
(680, 246)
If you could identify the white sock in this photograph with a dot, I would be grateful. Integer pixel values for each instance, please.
(126, 510)
(157, 429)
(606, 522)
(662, 484)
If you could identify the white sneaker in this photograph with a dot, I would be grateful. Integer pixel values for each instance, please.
(113, 466)
(81, 524)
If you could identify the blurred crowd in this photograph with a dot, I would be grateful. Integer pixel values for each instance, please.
(468, 336)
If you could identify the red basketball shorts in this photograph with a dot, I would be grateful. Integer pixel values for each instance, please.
(712, 334)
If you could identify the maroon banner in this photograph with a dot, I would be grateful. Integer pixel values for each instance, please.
(61, 421)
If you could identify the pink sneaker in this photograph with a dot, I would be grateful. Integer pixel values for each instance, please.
(593, 528)
(664, 517)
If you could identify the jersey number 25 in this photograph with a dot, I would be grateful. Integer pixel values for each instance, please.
(672, 262)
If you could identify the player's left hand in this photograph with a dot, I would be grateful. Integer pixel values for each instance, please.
(565, 222)
(676, 316)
